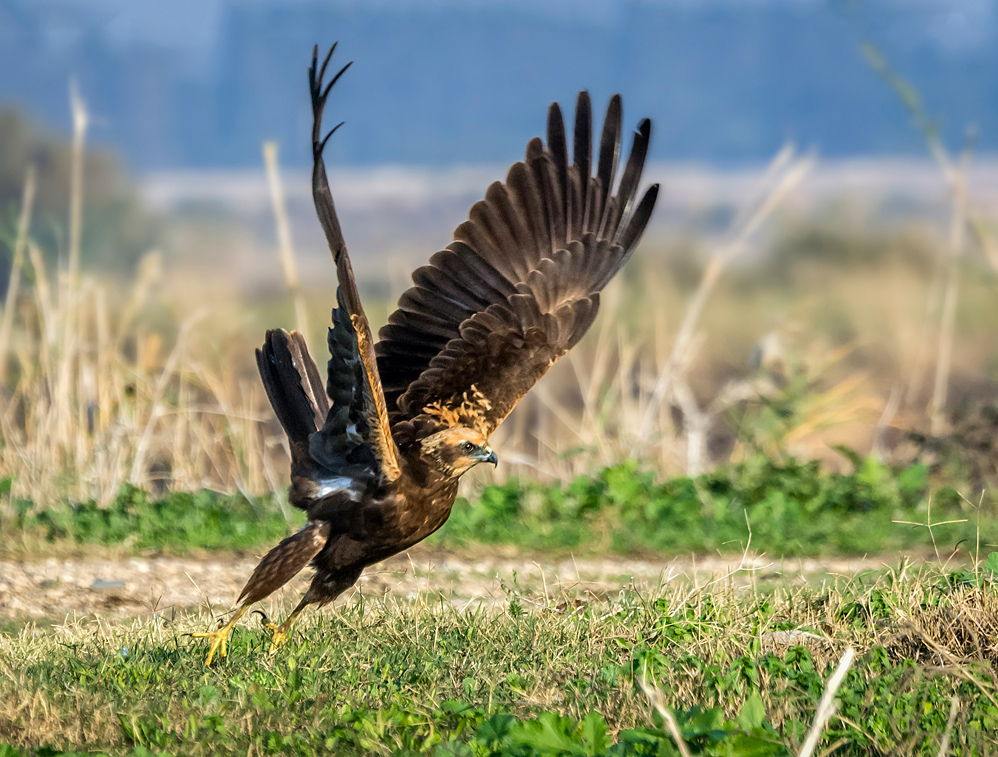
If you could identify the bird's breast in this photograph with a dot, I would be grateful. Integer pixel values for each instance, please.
(422, 510)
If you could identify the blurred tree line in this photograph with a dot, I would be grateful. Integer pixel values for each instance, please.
(117, 230)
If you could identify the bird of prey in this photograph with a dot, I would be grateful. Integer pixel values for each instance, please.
(376, 453)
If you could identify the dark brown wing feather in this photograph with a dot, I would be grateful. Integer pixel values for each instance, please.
(295, 391)
(292, 383)
(351, 333)
(518, 286)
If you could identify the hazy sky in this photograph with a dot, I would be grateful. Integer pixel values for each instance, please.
(193, 25)
(199, 83)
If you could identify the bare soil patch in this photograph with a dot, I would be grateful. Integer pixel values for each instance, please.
(139, 586)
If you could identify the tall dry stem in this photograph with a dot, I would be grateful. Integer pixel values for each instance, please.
(827, 706)
(17, 263)
(955, 174)
(958, 225)
(81, 120)
(285, 248)
(786, 174)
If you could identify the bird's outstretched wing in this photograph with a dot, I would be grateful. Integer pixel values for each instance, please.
(520, 283)
(357, 423)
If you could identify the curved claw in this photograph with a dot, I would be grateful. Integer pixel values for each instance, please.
(279, 633)
(265, 620)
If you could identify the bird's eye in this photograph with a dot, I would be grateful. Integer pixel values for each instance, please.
(467, 446)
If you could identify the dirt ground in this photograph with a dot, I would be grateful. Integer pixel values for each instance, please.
(55, 589)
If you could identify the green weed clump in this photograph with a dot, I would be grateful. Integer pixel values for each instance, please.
(741, 671)
(788, 508)
(178, 523)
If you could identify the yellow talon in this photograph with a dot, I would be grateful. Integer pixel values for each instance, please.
(280, 632)
(219, 638)
(280, 636)
(219, 642)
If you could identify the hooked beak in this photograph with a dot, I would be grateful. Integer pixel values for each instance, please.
(487, 455)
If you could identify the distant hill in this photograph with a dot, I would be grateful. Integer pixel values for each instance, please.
(439, 83)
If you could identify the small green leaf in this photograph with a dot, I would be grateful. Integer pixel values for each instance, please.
(753, 714)
(593, 731)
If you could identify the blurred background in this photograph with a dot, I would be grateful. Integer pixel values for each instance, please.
(819, 275)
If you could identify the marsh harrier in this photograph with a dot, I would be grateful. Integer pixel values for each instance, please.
(376, 453)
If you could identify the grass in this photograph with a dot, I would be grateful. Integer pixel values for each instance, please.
(743, 670)
(788, 508)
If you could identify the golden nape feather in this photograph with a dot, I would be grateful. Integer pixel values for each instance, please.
(376, 456)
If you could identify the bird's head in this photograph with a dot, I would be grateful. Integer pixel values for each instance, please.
(454, 451)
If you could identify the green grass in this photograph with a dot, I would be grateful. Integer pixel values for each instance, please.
(179, 523)
(418, 677)
(791, 508)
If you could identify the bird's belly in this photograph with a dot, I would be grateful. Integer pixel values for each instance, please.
(384, 531)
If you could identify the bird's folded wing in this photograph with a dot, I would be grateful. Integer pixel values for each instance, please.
(350, 340)
(519, 285)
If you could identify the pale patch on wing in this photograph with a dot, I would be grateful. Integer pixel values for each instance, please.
(319, 533)
(326, 487)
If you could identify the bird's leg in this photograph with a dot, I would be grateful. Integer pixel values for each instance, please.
(280, 632)
(220, 638)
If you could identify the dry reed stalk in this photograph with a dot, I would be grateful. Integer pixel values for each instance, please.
(929, 329)
(786, 174)
(68, 330)
(985, 238)
(81, 120)
(886, 418)
(827, 706)
(944, 744)
(157, 404)
(150, 271)
(957, 179)
(955, 174)
(14, 282)
(285, 248)
(657, 700)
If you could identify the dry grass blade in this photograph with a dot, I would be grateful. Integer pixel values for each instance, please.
(944, 744)
(957, 179)
(81, 120)
(827, 705)
(654, 695)
(14, 282)
(955, 174)
(285, 248)
(788, 175)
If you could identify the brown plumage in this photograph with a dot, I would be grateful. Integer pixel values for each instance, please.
(376, 454)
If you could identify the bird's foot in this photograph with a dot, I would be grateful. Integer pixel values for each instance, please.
(277, 640)
(219, 642)
(265, 621)
(279, 633)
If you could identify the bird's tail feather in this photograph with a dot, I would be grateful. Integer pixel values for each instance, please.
(293, 384)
